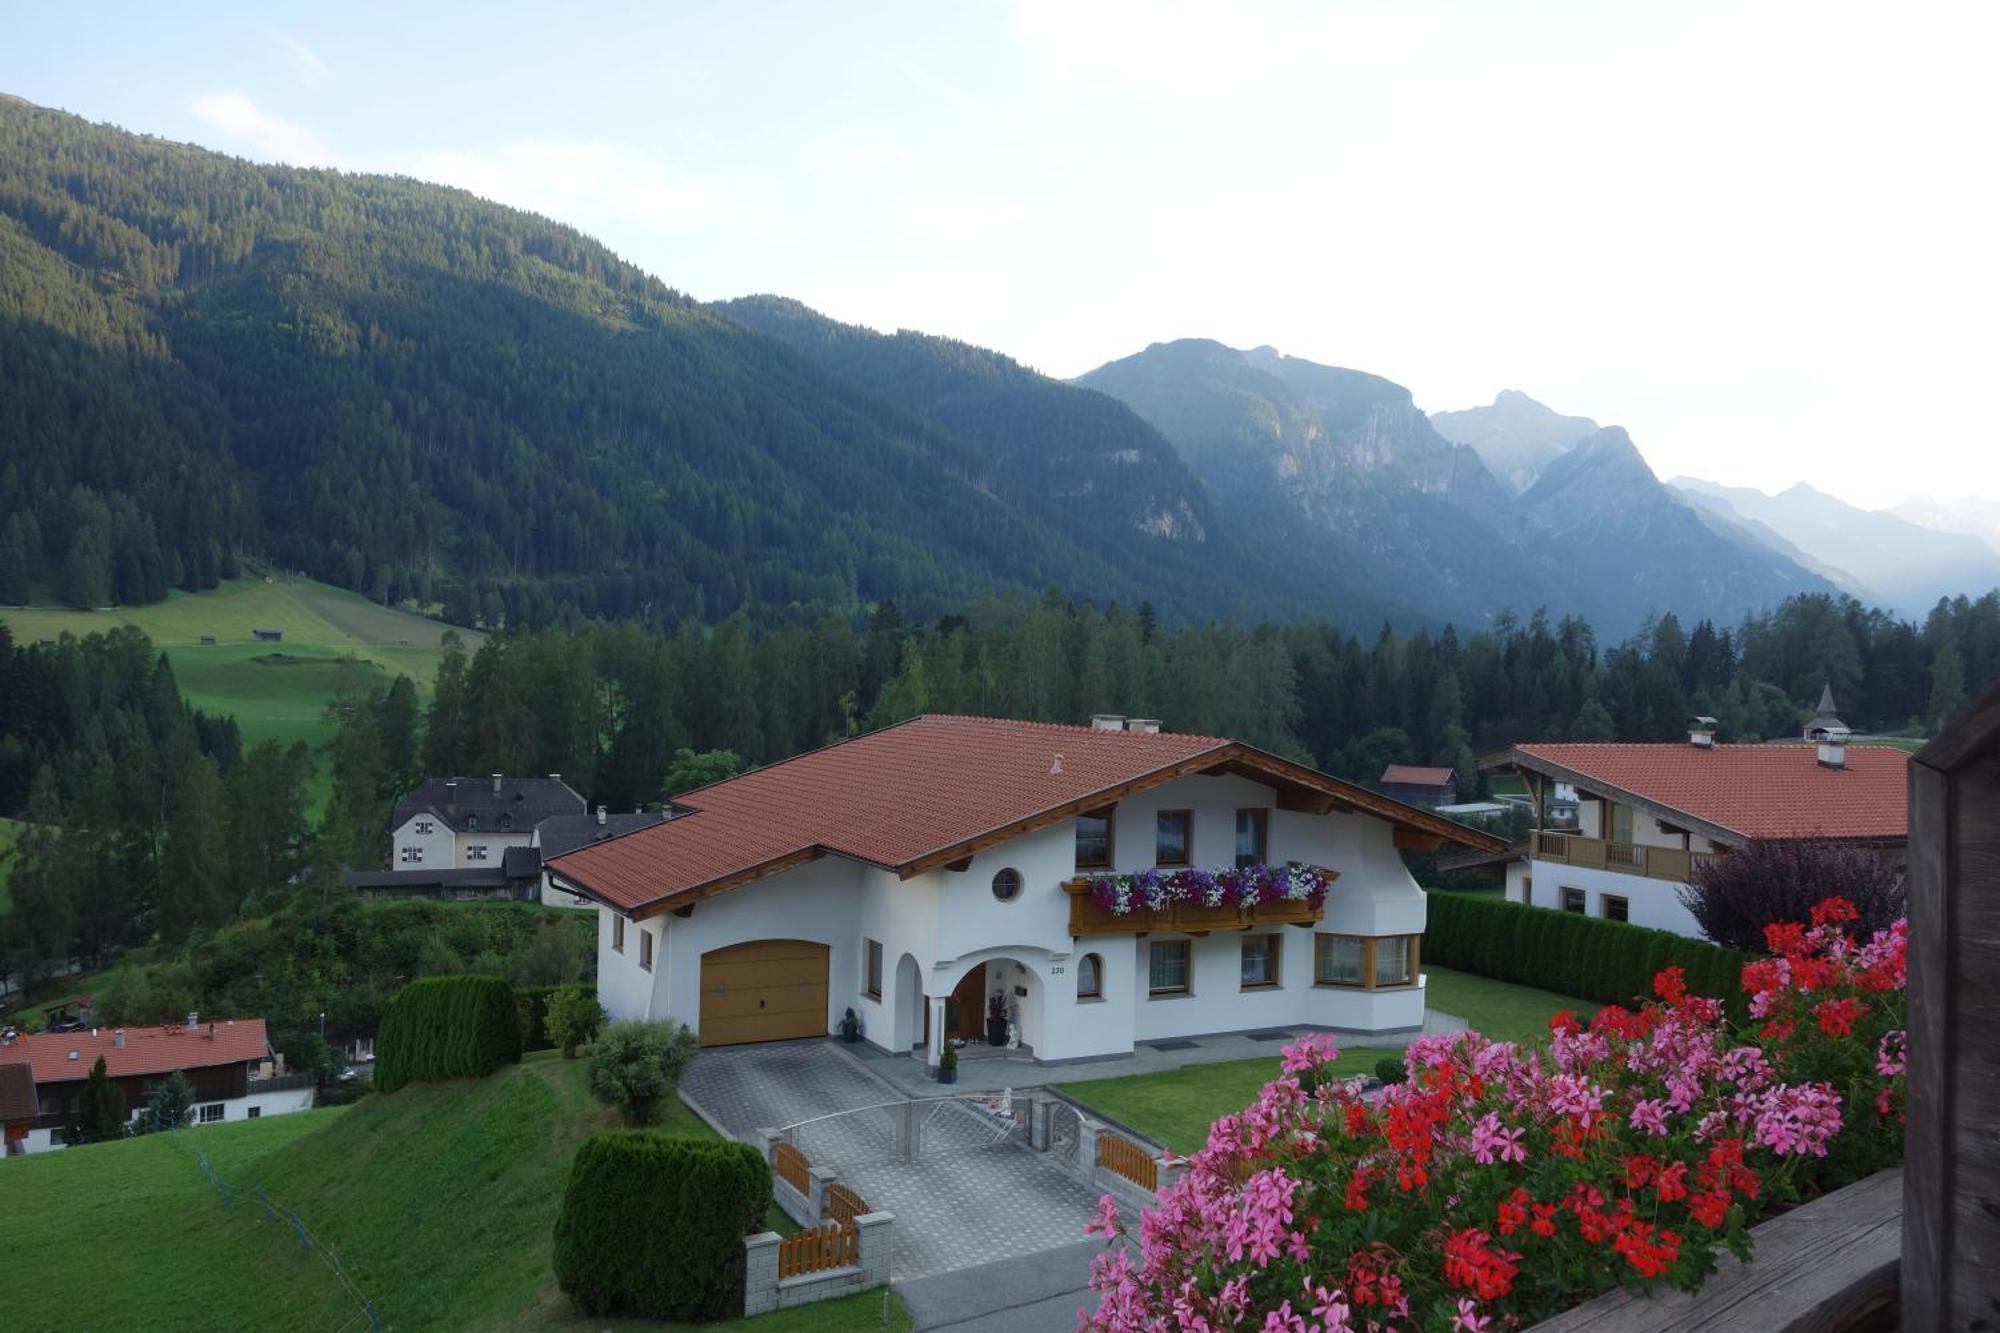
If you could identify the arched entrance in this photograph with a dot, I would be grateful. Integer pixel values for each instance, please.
(960, 1012)
(907, 1023)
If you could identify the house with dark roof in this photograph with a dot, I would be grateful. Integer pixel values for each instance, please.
(462, 823)
(229, 1062)
(560, 834)
(1071, 891)
(1648, 814)
(1427, 787)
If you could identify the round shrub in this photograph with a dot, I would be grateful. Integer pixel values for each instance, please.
(534, 1003)
(653, 1225)
(1390, 1070)
(575, 1018)
(636, 1064)
(446, 1027)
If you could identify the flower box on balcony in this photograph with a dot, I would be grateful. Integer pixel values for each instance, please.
(1252, 899)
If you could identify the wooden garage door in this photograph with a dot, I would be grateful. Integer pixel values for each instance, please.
(766, 990)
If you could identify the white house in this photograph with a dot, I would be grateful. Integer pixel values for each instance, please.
(912, 873)
(469, 823)
(228, 1062)
(1648, 814)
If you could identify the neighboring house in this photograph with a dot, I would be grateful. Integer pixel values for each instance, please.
(1648, 814)
(515, 876)
(469, 823)
(1427, 787)
(560, 834)
(913, 872)
(230, 1064)
(268, 635)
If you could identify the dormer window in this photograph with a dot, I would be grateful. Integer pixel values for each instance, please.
(472, 823)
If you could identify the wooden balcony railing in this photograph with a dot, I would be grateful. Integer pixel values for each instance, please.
(1669, 863)
(1086, 917)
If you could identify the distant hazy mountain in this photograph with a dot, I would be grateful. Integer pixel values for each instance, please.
(1516, 436)
(1337, 469)
(1971, 515)
(1906, 566)
(1722, 516)
(1627, 541)
(1344, 471)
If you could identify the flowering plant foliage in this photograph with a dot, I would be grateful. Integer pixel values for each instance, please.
(1231, 886)
(1502, 1184)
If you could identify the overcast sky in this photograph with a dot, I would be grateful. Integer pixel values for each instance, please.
(1760, 236)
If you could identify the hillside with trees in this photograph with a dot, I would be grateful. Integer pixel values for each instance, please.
(407, 391)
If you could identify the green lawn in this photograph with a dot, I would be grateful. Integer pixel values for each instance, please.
(440, 1201)
(1175, 1107)
(1500, 1009)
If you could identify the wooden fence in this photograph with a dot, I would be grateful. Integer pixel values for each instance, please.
(831, 1246)
(1128, 1159)
(792, 1167)
(841, 1204)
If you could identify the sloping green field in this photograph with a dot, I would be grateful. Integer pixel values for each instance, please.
(440, 1200)
(275, 691)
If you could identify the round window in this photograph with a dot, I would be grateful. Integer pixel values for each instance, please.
(1007, 885)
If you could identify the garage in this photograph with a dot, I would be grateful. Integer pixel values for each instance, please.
(766, 990)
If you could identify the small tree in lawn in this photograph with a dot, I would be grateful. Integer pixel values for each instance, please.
(1734, 896)
(169, 1102)
(636, 1064)
(575, 1017)
(103, 1110)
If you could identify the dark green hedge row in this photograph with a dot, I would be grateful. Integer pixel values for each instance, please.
(653, 1224)
(1573, 954)
(446, 1027)
(533, 1002)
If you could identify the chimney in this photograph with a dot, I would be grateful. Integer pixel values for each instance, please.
(1149, 726)
(1701, 732)
(1107, 722)
(496, 784)
(194, 1020)
(118, 1039)
(602, 811)
(1832, 743)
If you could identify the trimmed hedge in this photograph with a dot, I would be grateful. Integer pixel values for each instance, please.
(653, 1224)
(534, 1005)
(1589, 957)
(446, 1027)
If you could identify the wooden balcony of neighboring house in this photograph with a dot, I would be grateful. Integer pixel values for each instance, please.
(280, 1082)
(1088, 917)
(1668, 863)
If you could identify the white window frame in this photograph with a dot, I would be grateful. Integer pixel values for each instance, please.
(212, 1113)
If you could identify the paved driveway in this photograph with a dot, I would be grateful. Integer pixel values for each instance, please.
(974, 1196)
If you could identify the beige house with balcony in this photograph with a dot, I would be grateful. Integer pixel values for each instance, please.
(1649, 814)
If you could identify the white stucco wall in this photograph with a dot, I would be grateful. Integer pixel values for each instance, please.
(436, 845)
(233, 1109)
(1650, 902)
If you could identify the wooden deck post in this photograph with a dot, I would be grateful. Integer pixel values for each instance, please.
(1951, 1176)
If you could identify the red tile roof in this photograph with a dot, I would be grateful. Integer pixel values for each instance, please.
(1759, 791)
(904, 794)
(1411, 775)
(147, 1050)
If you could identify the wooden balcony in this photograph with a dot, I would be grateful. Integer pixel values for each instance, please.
(1086, 917)
(1668, 863)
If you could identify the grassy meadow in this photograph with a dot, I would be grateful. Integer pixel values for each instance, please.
(440, 1200)
(275, 691)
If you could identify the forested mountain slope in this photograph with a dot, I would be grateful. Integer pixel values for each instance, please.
(406, 390)
(1081, 459)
